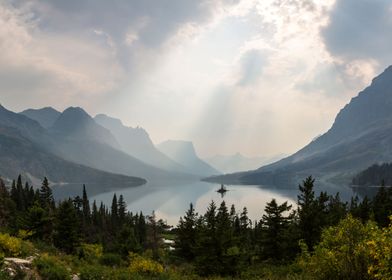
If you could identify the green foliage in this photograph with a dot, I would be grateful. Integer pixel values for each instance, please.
(275, 224)
(50, 268)
(90, 252)
(67, 227)
(142, 265)
(351, 250)
(112, 260)
(379, 248)
(10, 246)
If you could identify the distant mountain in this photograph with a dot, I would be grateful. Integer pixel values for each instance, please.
(360, 136)
(29, 128)
(78, 138)
(184, 153)
(75, 124)
(44, 116)
(137, 143)
(238, 162)
(19, 154)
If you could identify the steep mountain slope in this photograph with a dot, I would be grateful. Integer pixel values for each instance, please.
(238, 162)
(78, 138)
(184, 153)
(18, 155)
(137, 143)
(360, 136)
(75, 124)
(28, 128)
(44, 116)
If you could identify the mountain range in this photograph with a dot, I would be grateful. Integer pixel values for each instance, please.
(238, 162)
(360, 136)
(71, 147)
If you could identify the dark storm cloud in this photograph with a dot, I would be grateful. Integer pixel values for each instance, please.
(360, 29)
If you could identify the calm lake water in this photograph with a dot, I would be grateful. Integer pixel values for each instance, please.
(171, 201)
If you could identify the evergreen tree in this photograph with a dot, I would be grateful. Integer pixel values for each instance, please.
(67, 227)
(7, 206)
(308, 213)
(46, 196)
(38, 223)
(153, 236)
(114, 213)
(275, 223)
(382, 206)
(207, 251)
(86, 207)
(186, 235)
(122, 210)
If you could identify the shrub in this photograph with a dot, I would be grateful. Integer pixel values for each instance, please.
(143, 265)
(341, 253)
(110, 260)
(379, 247)
(50, 268)
(10, 246)
(90, 252)
(93, 272)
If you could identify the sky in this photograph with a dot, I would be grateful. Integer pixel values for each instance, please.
(259, 77)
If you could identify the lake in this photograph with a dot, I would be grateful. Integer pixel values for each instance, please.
(171, 201)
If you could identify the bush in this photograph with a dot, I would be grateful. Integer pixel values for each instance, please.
(93, 272)
(380, 250)
(350, 250)
(10, 246)
(50, 268)
(110, 260)
(90, 252)
(143, 265)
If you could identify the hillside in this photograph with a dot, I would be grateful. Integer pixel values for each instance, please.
(18, 155)
(359, 137)
(137, 143)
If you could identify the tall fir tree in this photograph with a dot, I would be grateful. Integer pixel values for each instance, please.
(275, 223)
(67, 236)
(46, 195)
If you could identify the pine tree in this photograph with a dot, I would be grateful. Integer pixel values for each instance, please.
(114, 213)
(46, 196)
(186, 235)
(308, 211)
(122, 210)
(153, 236)
(38, 223)
(382, 206)
(86, 211)
(275, 224)
(7, 206)
(67, 225)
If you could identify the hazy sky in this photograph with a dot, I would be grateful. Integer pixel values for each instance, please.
(260, 77)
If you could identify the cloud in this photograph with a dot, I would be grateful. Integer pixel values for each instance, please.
(65, 52)
(251, 67)
(360, 30)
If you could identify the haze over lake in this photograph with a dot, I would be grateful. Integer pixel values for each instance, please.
(171, 201)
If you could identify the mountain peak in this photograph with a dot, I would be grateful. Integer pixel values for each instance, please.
(45, 116)
(77, 112)
(76, 123)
